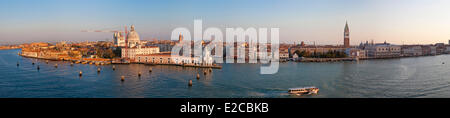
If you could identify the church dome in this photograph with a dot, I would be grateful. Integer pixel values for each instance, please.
(133, 35)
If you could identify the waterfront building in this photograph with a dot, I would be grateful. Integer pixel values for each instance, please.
(428, 50)
(166, 58)
(356, 53)
(433, 50)
(284, 55)
(383, 50)
(131, 53)
(412, 50)
(447, 49)
(346, 36)
(440, 48)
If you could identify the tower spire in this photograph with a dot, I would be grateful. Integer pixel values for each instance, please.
(346, 27)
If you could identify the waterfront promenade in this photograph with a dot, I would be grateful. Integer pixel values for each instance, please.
(102, 61)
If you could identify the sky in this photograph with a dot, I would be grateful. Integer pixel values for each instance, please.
(312, 21)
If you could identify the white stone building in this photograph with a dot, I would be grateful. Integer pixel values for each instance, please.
(131, 53)
(356, 53)
(166, 58)
(384, 50)
(284, 55)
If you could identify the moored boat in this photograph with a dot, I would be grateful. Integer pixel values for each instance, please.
(304, 90)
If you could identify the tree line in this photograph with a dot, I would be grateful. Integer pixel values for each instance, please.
(329, 54)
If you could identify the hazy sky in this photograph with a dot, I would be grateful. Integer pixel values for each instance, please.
(320, 21)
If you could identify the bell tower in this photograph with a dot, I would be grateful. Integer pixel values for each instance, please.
(346, 36)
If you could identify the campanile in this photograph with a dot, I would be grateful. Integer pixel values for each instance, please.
(346, 36)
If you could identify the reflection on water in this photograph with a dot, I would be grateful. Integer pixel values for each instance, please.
(406, 77)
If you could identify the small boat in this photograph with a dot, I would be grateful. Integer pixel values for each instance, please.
(304, 90)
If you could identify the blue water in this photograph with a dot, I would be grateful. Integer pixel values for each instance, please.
(392, 78)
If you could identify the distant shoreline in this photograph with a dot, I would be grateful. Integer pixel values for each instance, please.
(8, 48)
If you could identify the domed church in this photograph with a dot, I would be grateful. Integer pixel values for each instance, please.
(135, 47)
(133, 38)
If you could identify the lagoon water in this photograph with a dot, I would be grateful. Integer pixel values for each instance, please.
(391, 78)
